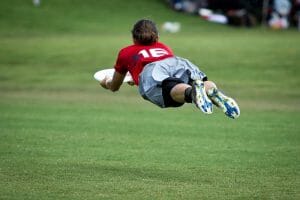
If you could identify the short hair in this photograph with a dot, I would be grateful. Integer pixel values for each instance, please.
(145, 32)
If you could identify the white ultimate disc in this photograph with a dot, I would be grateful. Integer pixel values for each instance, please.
(100, 75)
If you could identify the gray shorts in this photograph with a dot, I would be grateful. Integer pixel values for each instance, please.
(154, 73)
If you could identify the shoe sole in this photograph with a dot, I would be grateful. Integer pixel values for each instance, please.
(200, 98)
(226, 104)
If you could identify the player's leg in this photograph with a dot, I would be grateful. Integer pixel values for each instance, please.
(173, 92)
(227, 104)
(194, 77)
(176, 93)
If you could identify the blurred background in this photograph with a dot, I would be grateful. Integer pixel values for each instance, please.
(278, 14)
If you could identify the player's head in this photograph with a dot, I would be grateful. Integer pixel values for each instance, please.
(144, 32)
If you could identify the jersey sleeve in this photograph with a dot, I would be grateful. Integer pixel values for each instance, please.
(120, 65)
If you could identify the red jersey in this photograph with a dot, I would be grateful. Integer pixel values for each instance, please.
(133, 58)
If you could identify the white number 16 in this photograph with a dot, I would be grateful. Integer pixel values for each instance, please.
(155, 52)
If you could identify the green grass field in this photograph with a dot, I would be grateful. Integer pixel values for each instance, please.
(63, 137)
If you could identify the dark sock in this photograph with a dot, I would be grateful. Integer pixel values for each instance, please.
(188, 95)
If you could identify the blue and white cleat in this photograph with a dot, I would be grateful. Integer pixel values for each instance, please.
(200, 98)
(226, 104)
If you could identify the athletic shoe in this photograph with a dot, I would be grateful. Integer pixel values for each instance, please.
(200, 98)
(226, 104)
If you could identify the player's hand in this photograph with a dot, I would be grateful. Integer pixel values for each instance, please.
(103, 82)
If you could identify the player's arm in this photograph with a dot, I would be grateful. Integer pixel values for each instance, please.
(114, 83)
(119, 74)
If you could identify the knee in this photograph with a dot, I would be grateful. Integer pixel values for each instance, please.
(168, 86)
